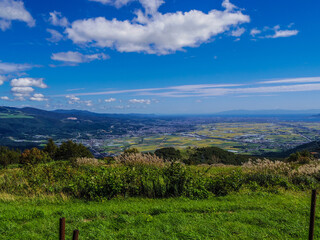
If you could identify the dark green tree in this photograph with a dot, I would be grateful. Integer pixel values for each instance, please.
(168, 154)
(51, 148)
(131, 151)
(69, 149)
(8, 156)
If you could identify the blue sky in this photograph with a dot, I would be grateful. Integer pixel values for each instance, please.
(160, 56)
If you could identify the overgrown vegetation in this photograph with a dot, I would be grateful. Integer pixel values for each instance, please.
(71, 170)
(247, 199)
(51, 152)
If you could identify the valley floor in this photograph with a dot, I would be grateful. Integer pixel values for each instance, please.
(258, 215)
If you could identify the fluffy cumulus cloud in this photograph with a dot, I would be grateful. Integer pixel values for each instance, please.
(5, 98)
(76, 57)
(28, 82)
(75, 100)
(11, 10)
(159, 33)
(145, 101)
(72, 99)
(57, 19)
(24, 87)
(38, 97)
(110, 100)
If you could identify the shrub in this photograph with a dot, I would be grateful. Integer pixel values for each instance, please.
(131, 150)
(8, 156)
(214, 155)
(34, 156)
(301, 157)
(168, 154)
(69, 149)
(221, 184)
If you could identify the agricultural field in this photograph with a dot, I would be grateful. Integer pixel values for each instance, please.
(238, 137)
(13, 115)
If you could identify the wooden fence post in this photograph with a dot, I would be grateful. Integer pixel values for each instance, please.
(75, 235)
(62, 232)
(312, 214)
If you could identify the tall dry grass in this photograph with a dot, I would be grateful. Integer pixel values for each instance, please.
(283, 168)
(139, 159)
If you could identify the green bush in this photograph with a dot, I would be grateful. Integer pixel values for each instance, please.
(221, 185)
(68, 150)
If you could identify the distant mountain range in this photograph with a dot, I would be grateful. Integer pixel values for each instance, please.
(19, 125)
(311, 112)
(28, 127)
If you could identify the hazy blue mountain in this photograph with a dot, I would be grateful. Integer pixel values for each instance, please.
(270, 112)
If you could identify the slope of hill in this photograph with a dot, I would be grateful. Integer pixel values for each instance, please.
(311, 147)
(27, 127)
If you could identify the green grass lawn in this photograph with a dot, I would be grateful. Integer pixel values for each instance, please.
(237, 216)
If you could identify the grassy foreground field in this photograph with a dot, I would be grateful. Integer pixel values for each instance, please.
(243, 215)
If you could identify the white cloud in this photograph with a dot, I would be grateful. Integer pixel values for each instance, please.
(28, 82)
(293, 80)
(254, 32)
(2, 79)
(4, 24)
(12, 67)
(76, 57)
(283, 33)
(88, 103)
(5, 98)
(205, 90)
(150, 6)
(38, 97)
(57, 19)
(228, 6)
(55, 35)
(238, 32)
(117, 3)
(276, 32)
(110, 100)
(23, 87)
(11, 10)
(73, 99)
(22, 92)
(145, 101)
(158, 34)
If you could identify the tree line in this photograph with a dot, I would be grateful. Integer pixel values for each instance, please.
(51, 152)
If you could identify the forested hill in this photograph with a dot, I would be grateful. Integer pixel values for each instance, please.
(313, 147)
(21, 126)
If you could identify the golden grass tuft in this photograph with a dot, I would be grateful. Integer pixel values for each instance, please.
(139, 159)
